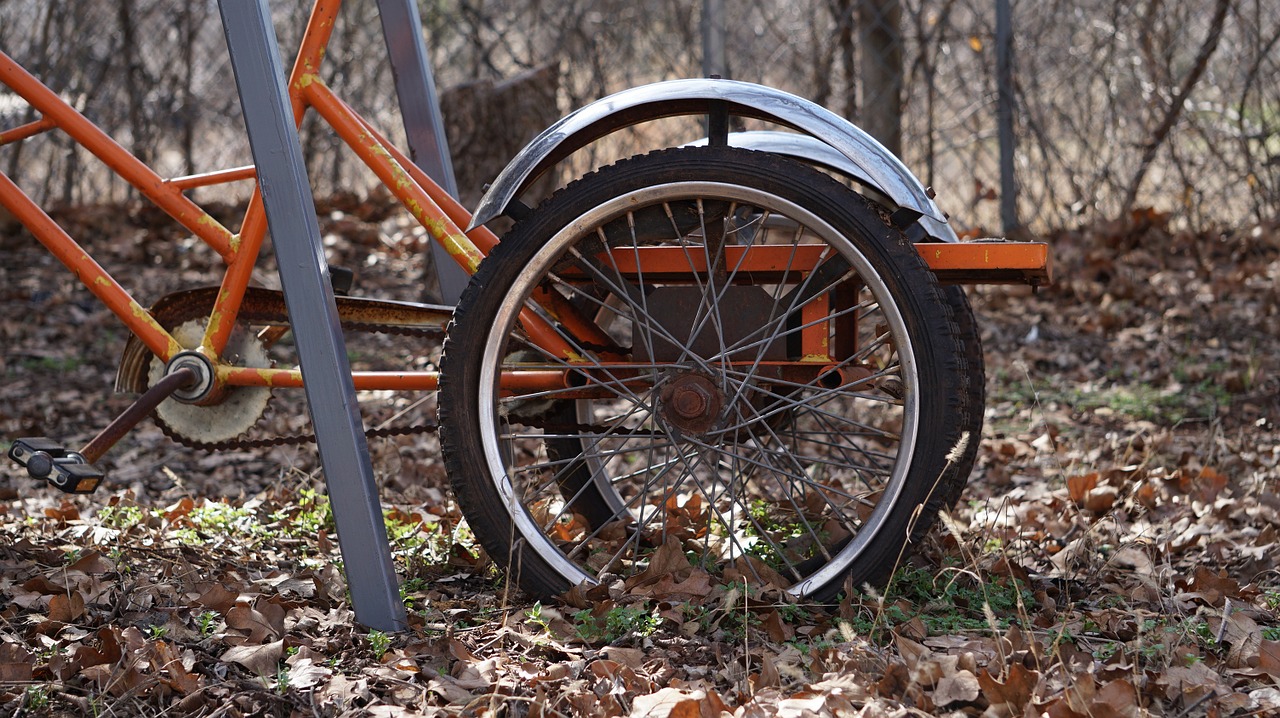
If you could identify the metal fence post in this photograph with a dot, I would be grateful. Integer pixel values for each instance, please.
(714, 28)
(331, 397)
(1004, 116)
(423, 123)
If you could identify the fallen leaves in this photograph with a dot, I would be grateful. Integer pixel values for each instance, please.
(1125, 496)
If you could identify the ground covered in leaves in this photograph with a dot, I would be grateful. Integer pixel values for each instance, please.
(1114, 555)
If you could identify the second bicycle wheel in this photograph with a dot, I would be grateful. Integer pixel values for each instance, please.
(761, 377)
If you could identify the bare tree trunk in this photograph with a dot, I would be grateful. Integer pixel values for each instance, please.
(880, 46)
(1174, 111)
(133, 81)
(842, 12)
(190, 29)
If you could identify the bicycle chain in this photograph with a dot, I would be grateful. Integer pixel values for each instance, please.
(298, 439)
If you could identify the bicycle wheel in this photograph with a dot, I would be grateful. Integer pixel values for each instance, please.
(775, 392)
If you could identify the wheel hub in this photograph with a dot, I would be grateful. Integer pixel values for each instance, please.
(691, 403)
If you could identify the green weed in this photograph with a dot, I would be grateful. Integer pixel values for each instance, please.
(379, 643)
(617, 623)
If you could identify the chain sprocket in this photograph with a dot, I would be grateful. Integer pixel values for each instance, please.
(241, 406)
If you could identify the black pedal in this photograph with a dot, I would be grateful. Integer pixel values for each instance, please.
(47, 460)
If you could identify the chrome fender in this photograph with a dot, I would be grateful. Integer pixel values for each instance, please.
(875, 165)
(813, 151)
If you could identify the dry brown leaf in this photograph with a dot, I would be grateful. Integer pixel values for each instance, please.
(304, 674)
(913, 653)
(630, 657)
(1269, 659)
(65, 512)
(768, 677)
(669, 559)
(66, 608)
(1015, 690)
(1117, 699)
(1245, 638)
(959, 687)
(755, 571)
(779, 631)
(675, 703)
(16, 663)
(259, 623)
(261, 660)
(1078, 487)
(168, 660)
(91, 562)
(217, 598)
(1188, 683)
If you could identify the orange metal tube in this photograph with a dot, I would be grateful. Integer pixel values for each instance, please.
(133, 170)
(514, 381)
(254, 226)
(22, 132)
(222, 319)
(392, 173)
(482, 237)
(311, 52)
(207, 179)
(364, 380)
(93, 276)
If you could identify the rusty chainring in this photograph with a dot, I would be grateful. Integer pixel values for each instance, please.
(263, 306)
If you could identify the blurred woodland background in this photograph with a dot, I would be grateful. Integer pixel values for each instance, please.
(1113, 105)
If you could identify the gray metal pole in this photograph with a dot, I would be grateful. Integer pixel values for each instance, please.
(1004, 116)
(714, 28)
(423, 123)
(331, 395)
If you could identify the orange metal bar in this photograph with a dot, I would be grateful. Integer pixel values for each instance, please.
(977, 262)
(311, 51)
(30, 129)
(392, 173)
(815, 336)
(364, 380)
(660, 262)
(93, 276)
(254, 226)
(484, 239)
(211, 178)
(989, 262)
(133, 170)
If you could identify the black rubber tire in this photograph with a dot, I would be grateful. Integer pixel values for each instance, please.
(973, 392)
(918, 333)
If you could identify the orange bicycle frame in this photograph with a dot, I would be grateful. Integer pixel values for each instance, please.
(429, 204)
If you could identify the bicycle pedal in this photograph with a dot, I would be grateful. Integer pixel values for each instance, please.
(47, 460)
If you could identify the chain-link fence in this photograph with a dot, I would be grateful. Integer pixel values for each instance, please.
(1116, 105)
